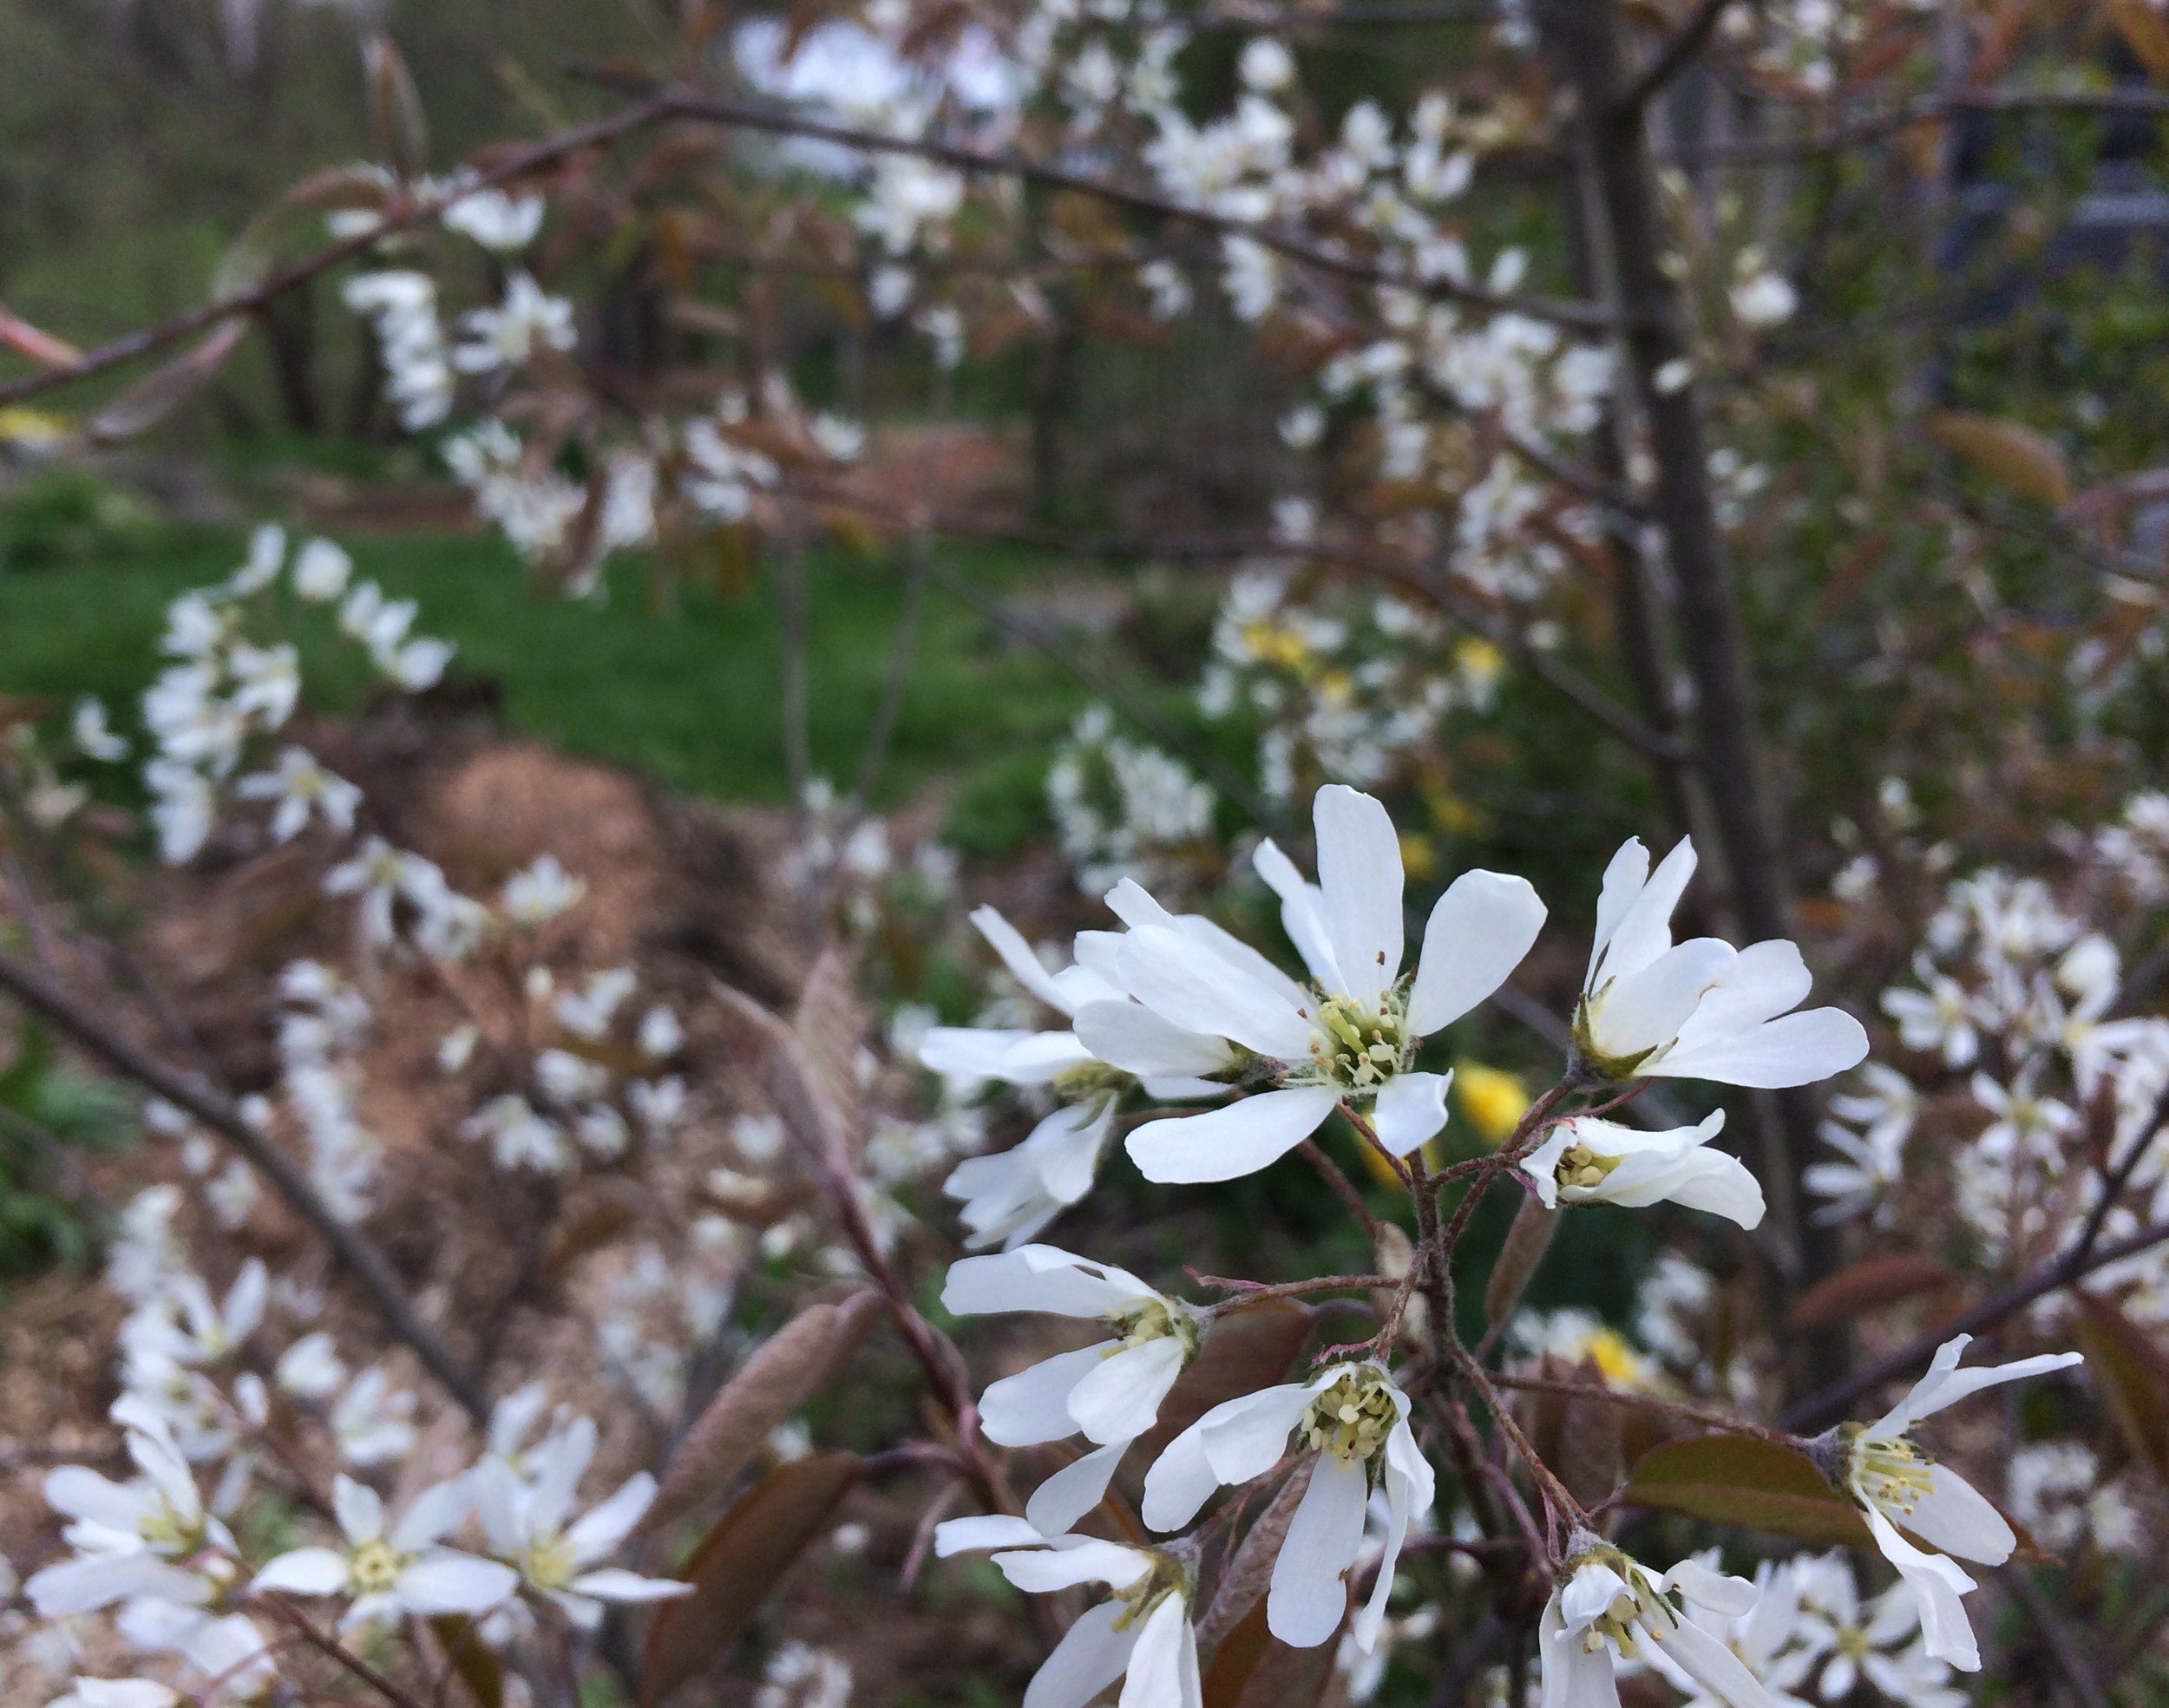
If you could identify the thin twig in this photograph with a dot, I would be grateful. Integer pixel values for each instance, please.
(125, 1056)
(1676, 55)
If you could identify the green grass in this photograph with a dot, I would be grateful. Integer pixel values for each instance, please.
(691, 696)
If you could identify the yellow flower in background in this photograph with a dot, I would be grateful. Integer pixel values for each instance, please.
(1615, 1355)
(1272, 644)
(1493, 1099)
(1420, 854)
(31, 429)
(1479, 662)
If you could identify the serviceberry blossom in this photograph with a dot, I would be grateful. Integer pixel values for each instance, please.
(301, 787)
(148, 1536)
(1894, 1483)
(1142, 1634)
(1587, 1160)
(1111, 1390)
(392, 1573)
(1350, 1422)
(507, 335)
(1702, 1009)
(1605, 1608)
(526, 1515)
(1351, 1037)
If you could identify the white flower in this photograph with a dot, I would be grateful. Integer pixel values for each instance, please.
(519, 1137)
(1605, 1605)
(1354, 1422)
(1142, 1634)
(530, 1523)
(661, 1035)
(506, 336)
(310, 1368)
(321, 571)
(537, 893)
(370, 1420)
(1765, 300)
(131, 1538)
(116, 1693)
(1588, 1161)
(501, 222)
(1941, 1019)
(301, 786)
(1702, 1009)
(1352, 1037)
(1009, 1197)
(392, 1573)
(1111, 1391)
(94, 737)
(1891, 1479)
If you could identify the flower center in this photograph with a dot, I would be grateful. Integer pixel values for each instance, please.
(1358, 1048)
(168, 1531)
(373, 1568)
(1637, 1611)
(1579, 1165)
(1894, 1474)
(1586, 1017)
(1168, 1577)
(550, 1562)
(1088, 1080)
(1151, 1319)
(1351, 1418)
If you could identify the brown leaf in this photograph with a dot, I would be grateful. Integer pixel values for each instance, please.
(1527, 1241)
(395, 107)
(786, 1078)
(1249, 1569)
(34, 346)
(744, 1558)
(1249, 1347)
(1755, 1484)
(474, 1661)
(1864, 1287)
(830, 1026)
(1578, 1438)
(1254, 1669)
(2013, 455)
(785, 1370)
(2132, 1378)
(155, 396)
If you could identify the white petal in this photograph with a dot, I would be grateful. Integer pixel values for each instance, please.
(1064, 1147)
(1478, 932)
(1574, 1677)
(1087, 1559)
(360, 1513)
(1130, 1036)
(1246, 1437)
(1940, 1582)
(1360, 872)
(1121, 1399)
(1410, 1109)
(1091, 1656)
(1624, 876)
(446, 1582)
(95, 1581)
(615, 1584)
(1033, 1405)
(1180, 1481)
(1644, 930)
(1197, 992)
(1585, 1596)
(81, 1492)
(305, 1571)
(1224, 1144)
(993, 1530)
(1795, 1050)
(433, 1513)
(1715, 1667)
(1038, 1277)
(1957, 1518)
(1767, 979)
(986, 1052)
(600, 1530)
(1702, 1180)
(1647, 1007)
(1163, 1666)
(1734, 1597)
(1064, 1498)
(1946, 1385)
(1016, 954)
(1308, 1599)
(1303, 913)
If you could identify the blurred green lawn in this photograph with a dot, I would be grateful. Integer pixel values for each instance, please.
(690, 695)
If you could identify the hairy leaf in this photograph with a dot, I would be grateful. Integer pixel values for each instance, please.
(1249, 1569)
(1527, 1241)
(744, 1558)
(396, 119)
(786, 1370)
(1254, 1669)
(2133, 1376)
(1578, 1438)
(828, 1024)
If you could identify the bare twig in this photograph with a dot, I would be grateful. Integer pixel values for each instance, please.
(1682, 52)
(125, 1056)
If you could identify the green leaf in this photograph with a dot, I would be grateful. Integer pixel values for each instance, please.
(1757, 1485)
